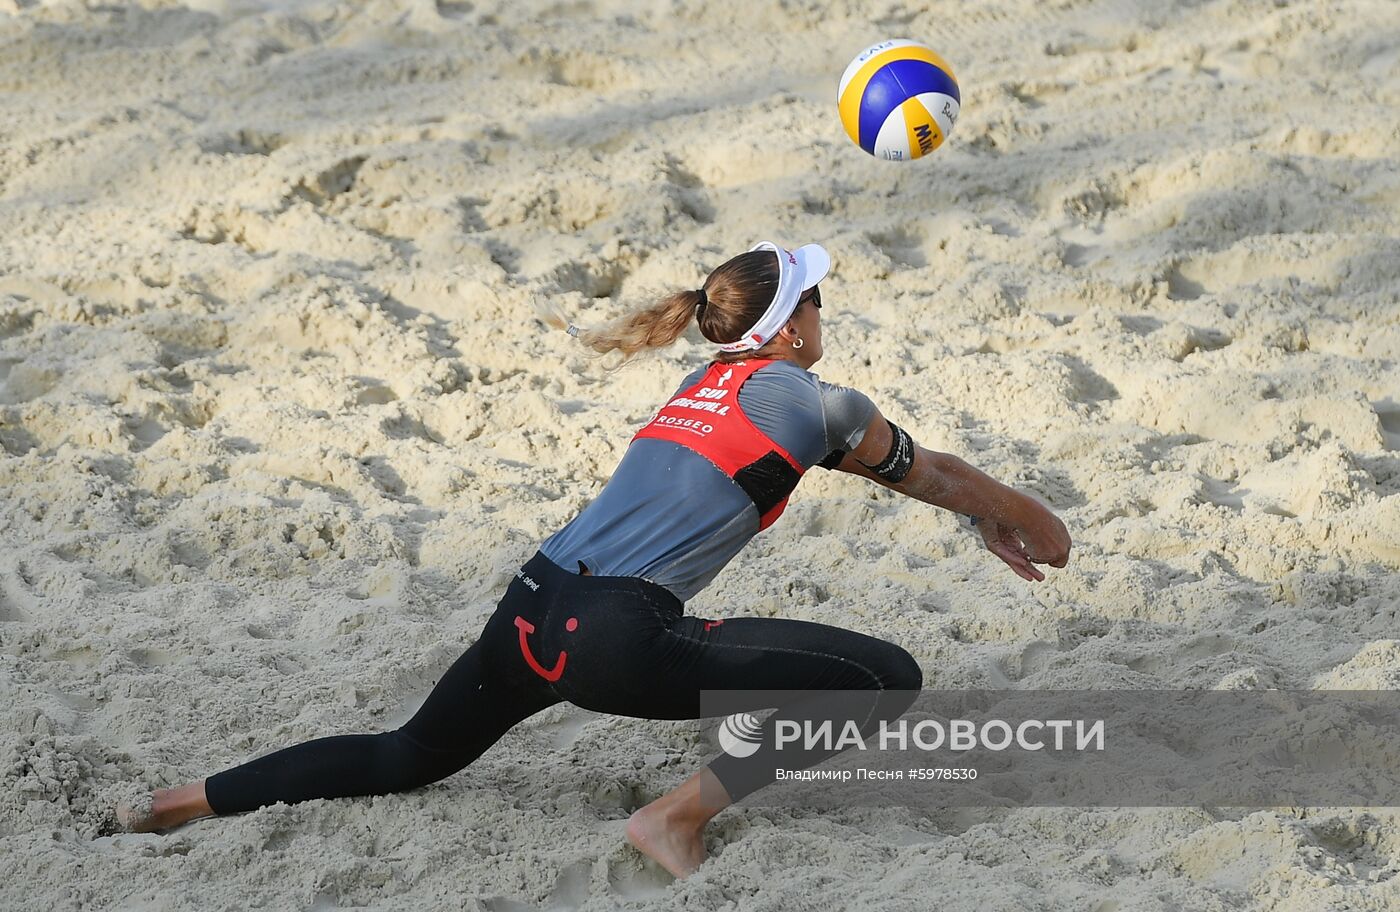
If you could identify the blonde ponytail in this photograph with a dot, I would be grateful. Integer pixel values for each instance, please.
(733, 299)
(650, 327)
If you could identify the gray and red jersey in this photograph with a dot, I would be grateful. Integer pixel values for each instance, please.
(711, 469)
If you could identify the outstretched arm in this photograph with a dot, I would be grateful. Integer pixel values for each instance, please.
(1015, 526)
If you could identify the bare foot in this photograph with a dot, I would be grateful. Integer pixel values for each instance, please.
(668, 830)
(674, 845)
(146, 812)
(136, 814)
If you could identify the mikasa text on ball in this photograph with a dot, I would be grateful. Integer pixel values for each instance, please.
(898, 100)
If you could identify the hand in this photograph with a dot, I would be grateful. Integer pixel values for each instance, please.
(1047, 539)
(1044, 541)
(1003, 541)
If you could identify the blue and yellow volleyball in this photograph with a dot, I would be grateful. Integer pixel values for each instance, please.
(898, 100)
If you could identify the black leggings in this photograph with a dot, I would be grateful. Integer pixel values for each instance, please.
(612, 644)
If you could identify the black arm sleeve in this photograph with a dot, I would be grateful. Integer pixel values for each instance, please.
(900, 458)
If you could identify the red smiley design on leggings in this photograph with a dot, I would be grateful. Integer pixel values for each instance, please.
(551, 674)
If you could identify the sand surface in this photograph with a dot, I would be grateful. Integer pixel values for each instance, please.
(278, 421)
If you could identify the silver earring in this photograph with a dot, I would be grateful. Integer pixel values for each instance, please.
(797, 343)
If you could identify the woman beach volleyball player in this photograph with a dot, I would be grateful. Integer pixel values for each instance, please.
(596, 617)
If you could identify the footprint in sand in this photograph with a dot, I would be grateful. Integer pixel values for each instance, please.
(564, 731)
(571, 890)
(635, 879)
(9, 611)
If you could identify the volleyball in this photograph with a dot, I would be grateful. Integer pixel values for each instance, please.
(898, 100)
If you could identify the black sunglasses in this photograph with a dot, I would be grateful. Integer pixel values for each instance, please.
(814, 295)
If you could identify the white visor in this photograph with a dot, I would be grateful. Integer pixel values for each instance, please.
(798, 270)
